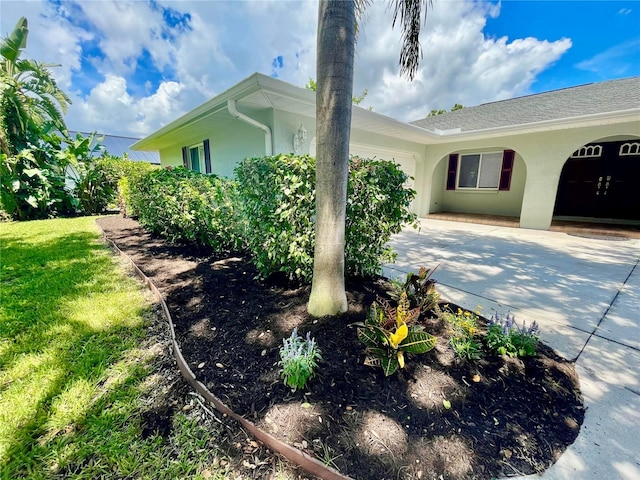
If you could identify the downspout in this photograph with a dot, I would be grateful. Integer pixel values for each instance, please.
(231, 106)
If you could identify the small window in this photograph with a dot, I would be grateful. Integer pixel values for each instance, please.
(197, 157)
(588, 151)
(480, 170)
(631, 148)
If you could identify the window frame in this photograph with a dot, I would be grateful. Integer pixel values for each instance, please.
(199, 147)
(204, 156)
(478, 188)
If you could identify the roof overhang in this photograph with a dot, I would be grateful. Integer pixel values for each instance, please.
(261, 92)
(584, 121)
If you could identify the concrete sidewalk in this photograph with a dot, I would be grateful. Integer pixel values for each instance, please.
(585, 295)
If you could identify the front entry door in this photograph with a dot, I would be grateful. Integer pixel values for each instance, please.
(601, 187)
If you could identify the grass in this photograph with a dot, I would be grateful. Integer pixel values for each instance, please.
(76, 370)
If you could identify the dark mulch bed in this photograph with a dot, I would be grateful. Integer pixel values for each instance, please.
(517, 419)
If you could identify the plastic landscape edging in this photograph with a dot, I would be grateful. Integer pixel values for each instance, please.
(310, 464)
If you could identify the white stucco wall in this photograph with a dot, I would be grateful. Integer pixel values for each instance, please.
(491, 202)
(539, 161)
(231, 141)
(409, 155)
(285, 126)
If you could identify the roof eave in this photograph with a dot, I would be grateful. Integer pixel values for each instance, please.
(243, 88)
(621, 116)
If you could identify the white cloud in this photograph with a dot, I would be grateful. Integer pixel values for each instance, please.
(460, 63)
(109, 108)
(613, 60)
(227, 41)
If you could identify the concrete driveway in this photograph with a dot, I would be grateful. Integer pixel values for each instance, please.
(585, 295)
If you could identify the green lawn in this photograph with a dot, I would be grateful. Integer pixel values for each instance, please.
(75, 368)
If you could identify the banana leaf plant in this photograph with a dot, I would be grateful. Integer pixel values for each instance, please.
(388, 333)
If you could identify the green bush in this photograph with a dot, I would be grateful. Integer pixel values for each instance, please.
(96, 187)
(127, 172)
(94, 179)
(378, 204)
(277, 196)
(187, 206)
(278, 201)
(32, 184)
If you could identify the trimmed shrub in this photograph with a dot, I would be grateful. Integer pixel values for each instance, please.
(129, 172)
(378, 202)
(277, 196)
(187, 206)
(278, 201)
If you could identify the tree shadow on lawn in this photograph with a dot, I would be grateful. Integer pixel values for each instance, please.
(59, 348)
(518, 418)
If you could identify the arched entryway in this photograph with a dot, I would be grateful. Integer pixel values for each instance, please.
(600, 180)
(487, 181)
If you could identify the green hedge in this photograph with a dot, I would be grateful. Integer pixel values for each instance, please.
(378, 203)
(270, 209)
(185, 206)
(277, 197)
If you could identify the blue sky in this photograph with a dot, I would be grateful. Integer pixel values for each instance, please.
(605, 37)
(132, 66)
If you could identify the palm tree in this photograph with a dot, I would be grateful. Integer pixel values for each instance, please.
(334, 89)
(30, 101)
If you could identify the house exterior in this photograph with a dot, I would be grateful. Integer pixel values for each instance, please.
(571, 153)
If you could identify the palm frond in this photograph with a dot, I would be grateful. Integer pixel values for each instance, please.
(410, 12)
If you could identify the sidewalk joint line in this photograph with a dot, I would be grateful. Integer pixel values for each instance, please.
(613, 300)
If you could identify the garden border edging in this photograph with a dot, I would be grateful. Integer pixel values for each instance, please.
(294, 455)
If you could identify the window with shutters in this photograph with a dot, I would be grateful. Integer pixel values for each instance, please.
(197, 157)
(480, 170)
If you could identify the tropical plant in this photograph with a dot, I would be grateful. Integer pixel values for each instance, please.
(388, 333)
(298, 359)
(336, 51)
(419, 288)
(505, 337)
(31, 112)
(30, 101)
(33, 182)
(94, 179)
(334, 97)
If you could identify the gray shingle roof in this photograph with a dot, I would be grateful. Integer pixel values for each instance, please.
(593, 98)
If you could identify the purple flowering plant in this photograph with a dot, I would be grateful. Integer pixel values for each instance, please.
(298, 359)
(506, 337)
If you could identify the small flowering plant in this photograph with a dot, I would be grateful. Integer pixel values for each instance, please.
(389, 333)
(298, 359)
(506, 337)
(463, 333)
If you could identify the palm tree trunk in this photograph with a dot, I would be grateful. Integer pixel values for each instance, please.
(336, 51)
